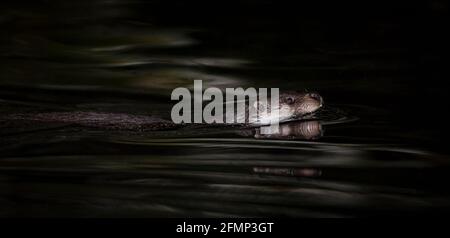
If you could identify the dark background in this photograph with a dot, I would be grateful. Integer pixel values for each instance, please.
(387, 54)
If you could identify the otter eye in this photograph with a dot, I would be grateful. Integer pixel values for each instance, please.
(289, 100)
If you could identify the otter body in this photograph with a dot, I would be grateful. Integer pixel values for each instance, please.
(100, 120)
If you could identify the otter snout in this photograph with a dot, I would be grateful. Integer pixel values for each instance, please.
(311, 102)
(317, 97)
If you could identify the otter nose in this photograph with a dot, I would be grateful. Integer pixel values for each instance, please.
(316, 96)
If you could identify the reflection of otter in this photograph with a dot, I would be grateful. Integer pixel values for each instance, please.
(302, 130)
(295, 172)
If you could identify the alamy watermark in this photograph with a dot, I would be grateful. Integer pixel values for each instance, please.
(241, 106)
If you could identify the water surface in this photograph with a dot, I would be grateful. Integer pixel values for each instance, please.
(382, 150)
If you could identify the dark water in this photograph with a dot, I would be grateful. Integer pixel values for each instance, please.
(379, 67)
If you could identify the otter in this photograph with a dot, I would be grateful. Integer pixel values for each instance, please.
(292, 105)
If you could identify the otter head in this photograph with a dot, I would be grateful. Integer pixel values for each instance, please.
(291, 105)
(300, 103)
